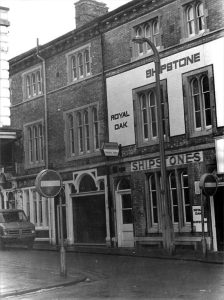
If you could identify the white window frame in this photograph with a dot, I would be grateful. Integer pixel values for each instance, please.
(32, 83)
(34, 144)
(78, 64)
(85, 132)
(145, 114)
(189, 107)
(154, 34)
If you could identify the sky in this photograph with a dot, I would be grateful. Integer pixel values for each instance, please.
(42, 19)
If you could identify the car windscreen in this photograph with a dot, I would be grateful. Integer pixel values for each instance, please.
(15, 216)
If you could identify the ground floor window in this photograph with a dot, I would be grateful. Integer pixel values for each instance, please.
(36, 208)
(180, 202)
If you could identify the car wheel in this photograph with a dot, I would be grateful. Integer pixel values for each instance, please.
(2, 245)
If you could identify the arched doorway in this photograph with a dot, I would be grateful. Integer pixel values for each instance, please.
(125, 228)
(89, 210)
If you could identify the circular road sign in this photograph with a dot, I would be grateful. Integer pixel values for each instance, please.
(208, 184)
(48, 183)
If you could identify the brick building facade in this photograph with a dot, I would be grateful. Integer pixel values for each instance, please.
(95, 85)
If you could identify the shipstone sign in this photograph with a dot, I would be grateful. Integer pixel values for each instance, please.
(171, 160)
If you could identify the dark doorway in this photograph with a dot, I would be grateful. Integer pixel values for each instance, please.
(219, 217)
(89, 219)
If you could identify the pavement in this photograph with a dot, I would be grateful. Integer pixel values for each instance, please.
(14, 282)
(151, 252)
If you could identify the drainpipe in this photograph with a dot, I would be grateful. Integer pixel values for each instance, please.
(45, 106)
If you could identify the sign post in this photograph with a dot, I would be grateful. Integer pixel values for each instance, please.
(49, 184)
(208, 184)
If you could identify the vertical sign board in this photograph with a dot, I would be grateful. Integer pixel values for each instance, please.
(197, 219)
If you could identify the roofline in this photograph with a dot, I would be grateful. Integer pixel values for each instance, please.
(94, 23)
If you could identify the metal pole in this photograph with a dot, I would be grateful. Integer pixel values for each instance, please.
(168, 235)
(203, 240)
(63, 272)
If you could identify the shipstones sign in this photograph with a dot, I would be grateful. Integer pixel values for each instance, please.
(171, 160)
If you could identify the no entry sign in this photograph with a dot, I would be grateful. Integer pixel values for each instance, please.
(208, 184)
(48, 183)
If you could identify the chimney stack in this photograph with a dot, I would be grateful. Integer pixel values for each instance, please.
(88, 10)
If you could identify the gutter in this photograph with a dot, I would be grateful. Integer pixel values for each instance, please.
(45, 106)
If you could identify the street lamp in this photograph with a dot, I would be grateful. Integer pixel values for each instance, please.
(168, 235)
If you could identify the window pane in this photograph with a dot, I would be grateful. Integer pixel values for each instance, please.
(80, 60)
(126, 201)
(190, 20)
(147, 30)
(127, 216)
(87, 61)
(74, 68)
(200, 16)
(95, 128)
(153, 199)
(140, 46)
(127, 209)
(39, 87)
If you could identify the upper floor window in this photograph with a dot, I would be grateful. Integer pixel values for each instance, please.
(200, 101)
(146, 114)
(32, 84)
(79, 64)
(34, 145)
(195, 18)
(202, 110)
(151, 31)
(82, 131)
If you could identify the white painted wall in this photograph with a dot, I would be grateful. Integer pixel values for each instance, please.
(120, 87)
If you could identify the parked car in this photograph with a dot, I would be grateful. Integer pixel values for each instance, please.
(15, 228)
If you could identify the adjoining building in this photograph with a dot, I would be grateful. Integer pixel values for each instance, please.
(94, 86)
(8, 135)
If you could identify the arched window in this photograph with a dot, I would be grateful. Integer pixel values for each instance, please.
(80, 62)
(200, 93)
(39, 83)
(71, 133)
(28, 86)
(80, 132)
(140, 46)
(87, 61)
(145, 120)
(41, 141)
(152, 111)
(30, 144)
(206, 101)
(34, 84)
(86, 130)
(155, 32)
(200, 17)
(36, 143)
(74, 68)
(190, 20)
(197, 103)
(186, 197)
(95, 128)
(148, 35)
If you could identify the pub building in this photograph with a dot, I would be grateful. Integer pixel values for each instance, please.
(85, 104)
(192, 108)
